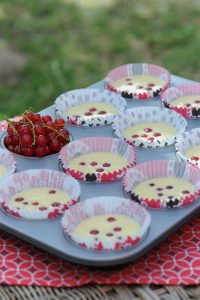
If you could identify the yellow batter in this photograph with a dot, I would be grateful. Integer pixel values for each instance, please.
(188, 101)
(150, 131)
(138, 83)
(92, 109)
(193, 153)
(3, 170)
(163, 188)
(106, 227)
(98, 162)
(35, 199)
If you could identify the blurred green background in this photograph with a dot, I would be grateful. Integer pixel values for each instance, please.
(50, 46)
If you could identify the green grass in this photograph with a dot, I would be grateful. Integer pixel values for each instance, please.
(69, 45)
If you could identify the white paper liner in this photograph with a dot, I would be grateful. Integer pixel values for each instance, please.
(143, 114)
(38, 178)
(102, 206)
(137, 69)
(94, 144)
(185, 141)
(8, 161)
(69, 99)
(161, 168)
(181, 90)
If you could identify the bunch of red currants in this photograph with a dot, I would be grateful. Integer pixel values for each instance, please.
(36, 135)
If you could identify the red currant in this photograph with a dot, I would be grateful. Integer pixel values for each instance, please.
(38, 130)
(28, 151)
(40, 151)
(60, 123)
(46, 118)
(26, 140)
(41, 140)
(55, 146)
(7, 140)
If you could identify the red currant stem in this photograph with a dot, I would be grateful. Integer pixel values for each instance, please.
(58, 133)
(32, 125)
(10, 124)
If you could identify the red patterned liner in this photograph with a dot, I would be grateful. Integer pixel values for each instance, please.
(38, 178)
(173, 93)
(92, 144)
(105, 205)
(185, 141)
(161, 168)
(137, 69)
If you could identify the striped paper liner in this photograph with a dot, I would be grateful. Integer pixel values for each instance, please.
(108, 206)
(96, 144)
(161, 168)
(182, 90)
(137, 69)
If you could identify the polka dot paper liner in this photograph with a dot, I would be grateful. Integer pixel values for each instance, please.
(7, 164)
(188, 147)
(172, 184)
(112, 234)
(184, 99)
(140, 81)
(97, 159)
(149, 127)
(89, 107)
(19, 194)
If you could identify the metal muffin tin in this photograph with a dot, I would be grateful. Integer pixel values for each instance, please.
(49, 235)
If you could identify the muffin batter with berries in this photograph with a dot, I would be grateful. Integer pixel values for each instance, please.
(192, 101)
(139, 84)
(150, 132)
(92, 110)
(107, 227)
(39, 199)
(98, 162)
(193, 153)
(166, 189)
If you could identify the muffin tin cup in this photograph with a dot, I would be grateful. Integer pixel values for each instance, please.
(2, 144)
(185, 141)
(105, 205)
(137, 69)
(143, 114)
(161, 168)
(8, 161)
(96, 144)
(81, 96)
(181, 90)
(38, 178)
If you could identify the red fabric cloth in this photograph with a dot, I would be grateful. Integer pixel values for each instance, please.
(175, 261)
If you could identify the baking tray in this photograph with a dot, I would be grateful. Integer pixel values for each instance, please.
(49, 235)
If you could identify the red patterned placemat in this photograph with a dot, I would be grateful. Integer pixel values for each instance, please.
(175, 261)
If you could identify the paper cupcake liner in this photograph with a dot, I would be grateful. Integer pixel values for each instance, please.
(185, 141)
(173, 93)
(161, 168)
(137, 69)
(148, 114)
(34, 178)
(94, 144)
(80, 96)
(105, 206)
(8, 161)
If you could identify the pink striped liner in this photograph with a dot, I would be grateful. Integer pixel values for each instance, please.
(137, 69)
(105, 205)
(181, 90)
(94, 144)
(161, 168)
